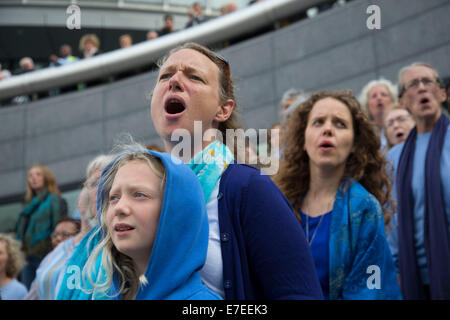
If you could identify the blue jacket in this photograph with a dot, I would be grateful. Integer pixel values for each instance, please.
(264, 250)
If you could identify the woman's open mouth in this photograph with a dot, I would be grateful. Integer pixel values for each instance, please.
(174, 107)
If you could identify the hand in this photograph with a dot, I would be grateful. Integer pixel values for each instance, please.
(53, 58)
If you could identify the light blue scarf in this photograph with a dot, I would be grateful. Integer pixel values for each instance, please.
(209, 164)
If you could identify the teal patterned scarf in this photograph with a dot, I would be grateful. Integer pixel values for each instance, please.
(209, 164)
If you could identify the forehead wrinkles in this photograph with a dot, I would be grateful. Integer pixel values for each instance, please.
(416, 73)
(193, 61)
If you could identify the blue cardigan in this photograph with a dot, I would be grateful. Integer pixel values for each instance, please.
(264, 250)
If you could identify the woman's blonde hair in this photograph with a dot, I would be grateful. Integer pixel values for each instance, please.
(367, 164)
(111, 259)
(16, 258)
(49, 182)
(89, 37)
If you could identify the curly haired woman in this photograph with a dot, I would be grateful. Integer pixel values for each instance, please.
(11, 262)
(334, 176)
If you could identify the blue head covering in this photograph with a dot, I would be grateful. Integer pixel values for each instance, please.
(181, 241)
(180, 245)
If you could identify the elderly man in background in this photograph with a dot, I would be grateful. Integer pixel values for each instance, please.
(420, 240)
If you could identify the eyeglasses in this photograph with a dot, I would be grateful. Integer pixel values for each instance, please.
(399, 119)
(414, 84)
(63, 235)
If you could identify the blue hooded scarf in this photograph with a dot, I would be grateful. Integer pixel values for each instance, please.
(181, 242)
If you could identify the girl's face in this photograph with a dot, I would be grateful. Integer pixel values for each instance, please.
(3, 257)
(36, 179)
(135, 202)
(329, 134)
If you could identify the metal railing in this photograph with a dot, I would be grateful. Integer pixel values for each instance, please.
(141, 54)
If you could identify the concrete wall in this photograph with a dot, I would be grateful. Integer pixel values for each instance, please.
(334, 50)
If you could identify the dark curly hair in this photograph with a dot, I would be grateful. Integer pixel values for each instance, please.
(367, 165)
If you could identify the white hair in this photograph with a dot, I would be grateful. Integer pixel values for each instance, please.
(363, 97)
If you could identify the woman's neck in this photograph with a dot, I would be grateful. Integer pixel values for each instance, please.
(322, 191)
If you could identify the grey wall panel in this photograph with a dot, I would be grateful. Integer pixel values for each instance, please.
(250, 57)
(255, 92)
(259, 118)
(12, 182)
(413, 36)
(11, 155)
(320, 33)
(59, 145)
(72, 169)
(128, 96)
(64, 113)
(12, 123)
(396, 11)
(326, 68)
(138, 124)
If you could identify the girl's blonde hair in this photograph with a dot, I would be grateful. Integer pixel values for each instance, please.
(49, 182)
(16, 258)
(111, 259)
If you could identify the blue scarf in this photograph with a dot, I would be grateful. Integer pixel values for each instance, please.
(357, 241)
(209, 164)
(437, 240)
(42, 211)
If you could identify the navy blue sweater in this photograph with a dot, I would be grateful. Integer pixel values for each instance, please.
(264, 250)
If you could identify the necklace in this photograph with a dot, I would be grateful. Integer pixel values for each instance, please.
(318, 225)
(315, 231)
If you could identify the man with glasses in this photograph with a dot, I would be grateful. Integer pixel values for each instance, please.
(420, 240)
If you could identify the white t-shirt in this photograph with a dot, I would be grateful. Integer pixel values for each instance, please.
(212, 271)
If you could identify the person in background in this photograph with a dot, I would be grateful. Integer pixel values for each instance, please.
(151, 34)
(397, 123)
(11, 263)
(66, 57)
(89, 46)
(125, 41)
(420, 235)
(38, 219)
(51, 271)
(334, 175)
(195, 15)
(4, 73)
(65, 228)
(167, 27)
(375, 98)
